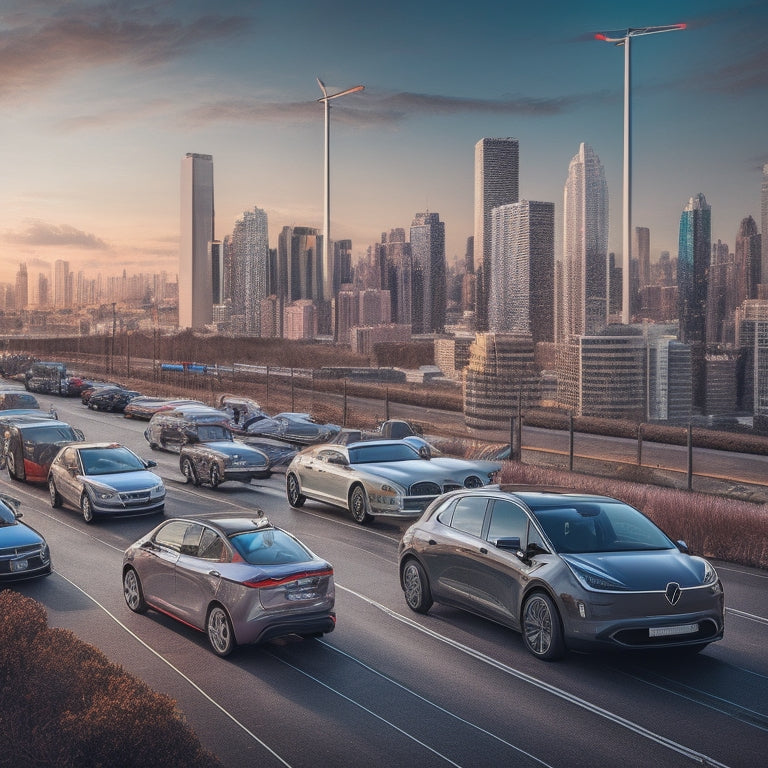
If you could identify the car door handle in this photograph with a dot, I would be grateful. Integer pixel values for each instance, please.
(214, 573)
(483, 551)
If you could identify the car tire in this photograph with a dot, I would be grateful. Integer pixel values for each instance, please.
(188, 470)
(293, 490)
(358, 505)
(132, 591)
(86, 508)
(542, 630)
(54, 494)
(416, 587)
(473, 481)
(10, 463)
(215, 476)
(220, 633)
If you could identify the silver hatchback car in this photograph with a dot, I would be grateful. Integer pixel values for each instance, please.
(239, 579)
(566, 570)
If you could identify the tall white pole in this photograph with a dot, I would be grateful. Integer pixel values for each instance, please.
(326, 262)
(627, 234)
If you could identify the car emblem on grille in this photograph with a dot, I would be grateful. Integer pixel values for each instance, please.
(673, 592)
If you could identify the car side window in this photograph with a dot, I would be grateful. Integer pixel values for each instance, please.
(172, 535)
(212, 546)
(469, 514)
(507, 519)
(332, 457)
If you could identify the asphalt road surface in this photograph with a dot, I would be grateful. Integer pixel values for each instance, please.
(390, 687)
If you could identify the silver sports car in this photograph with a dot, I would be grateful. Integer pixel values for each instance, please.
(564, 569)
(379, 477)
(239, 579)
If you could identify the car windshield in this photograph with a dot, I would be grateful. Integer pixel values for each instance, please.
(211, 432)
(575, 526)
(48, 434)
(269, 547)
(106, 461)
(368, 454)
(6, 516)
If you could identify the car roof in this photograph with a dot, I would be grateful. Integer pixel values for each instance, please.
(80, 446)
(32, 421)
(230, 525)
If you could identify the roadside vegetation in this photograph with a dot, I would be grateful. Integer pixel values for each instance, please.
(64, 704)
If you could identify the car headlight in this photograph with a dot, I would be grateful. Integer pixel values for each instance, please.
(157, 491)
(710, 574)
(596, 579)
(45, 553)
(385, 494)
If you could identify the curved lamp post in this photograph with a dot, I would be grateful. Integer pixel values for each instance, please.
(622, 37)
(327, 286)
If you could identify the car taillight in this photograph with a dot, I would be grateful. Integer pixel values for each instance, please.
(287, 579)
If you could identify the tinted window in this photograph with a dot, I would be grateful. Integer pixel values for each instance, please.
(269, 546)
(190, 544)
(172, 535)
(469, 513)
(103, 461)
(212, 546)
(374, 453)
(508, 519)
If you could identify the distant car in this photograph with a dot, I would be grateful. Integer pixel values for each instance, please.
(14, 399)
(379, 477)
(74, 386)
(112, 400)
(46, 377)
(297, 428)
(104, 479)
(567, 570)
(212, 456)
(30, 443)
(244, 580)
(24, 553)
(145, 407)
(171, 429)
(96, 386)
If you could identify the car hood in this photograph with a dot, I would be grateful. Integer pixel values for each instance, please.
(643, 571)
(230, 448)
(126, 481)
(18, 536)
(406, 473)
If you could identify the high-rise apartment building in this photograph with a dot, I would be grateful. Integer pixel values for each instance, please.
(764, 222)
(522, 284)
(640, 273)
(585, 246)
(216, 255)
(197, 231)
(692, 287)
(249, 256)
(63, 284)
(22, 287)
(747, 254)
(429, 274)
(396, 274)
(497, 182)
(299, 251)
(721, 288)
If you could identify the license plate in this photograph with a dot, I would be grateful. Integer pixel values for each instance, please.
(19, 565)
(678, 629)
(302, 596)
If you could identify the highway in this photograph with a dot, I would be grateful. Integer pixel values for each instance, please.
(390, 687)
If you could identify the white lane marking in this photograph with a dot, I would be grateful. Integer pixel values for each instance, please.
(748, 616)
(368, 711)
(554, 690)
(432, 703)
(177, 671)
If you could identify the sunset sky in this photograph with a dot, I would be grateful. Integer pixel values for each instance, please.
(101, 99)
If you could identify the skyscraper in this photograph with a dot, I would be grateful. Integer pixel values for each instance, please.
(22, 287)
(640, 275)
(585, 245)
(748, 260)
(692, 286)
(522, 284)
(197, 230)
(764, 222)
(249, 252)
(429, 278)
(497, 173)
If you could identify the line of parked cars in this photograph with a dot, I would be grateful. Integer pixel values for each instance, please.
(565, 570)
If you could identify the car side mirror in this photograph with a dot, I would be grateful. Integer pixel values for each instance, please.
(149, 463)
(682, 546)
(79, 434)
(425, 453)
(508, 542)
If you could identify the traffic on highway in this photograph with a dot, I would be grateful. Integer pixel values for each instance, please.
(391, 684)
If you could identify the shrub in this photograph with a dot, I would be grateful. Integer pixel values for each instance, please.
(64, 704)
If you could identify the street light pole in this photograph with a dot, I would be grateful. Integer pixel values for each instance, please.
(327, 286)
(623, 37)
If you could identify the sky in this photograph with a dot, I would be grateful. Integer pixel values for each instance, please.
(101, 99)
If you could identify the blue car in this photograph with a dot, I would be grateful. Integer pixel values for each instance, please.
(24, 553)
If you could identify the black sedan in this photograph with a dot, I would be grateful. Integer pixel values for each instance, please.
(24, 553)
(564, 569)
(112, 399)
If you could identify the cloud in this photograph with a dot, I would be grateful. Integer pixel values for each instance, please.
(39, 48)
(44, 234)
(377, 108)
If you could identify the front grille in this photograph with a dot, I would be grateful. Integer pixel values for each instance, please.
(638, 638)
(11, 552)
(425, 489)
(451, 487)
(135, 499)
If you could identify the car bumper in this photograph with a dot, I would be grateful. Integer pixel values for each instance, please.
(128, 508)
(245, 474)
(267, 627)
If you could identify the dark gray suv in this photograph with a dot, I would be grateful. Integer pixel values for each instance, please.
(566, 570)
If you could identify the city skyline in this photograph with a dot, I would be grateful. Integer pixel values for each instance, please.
(93, 141)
